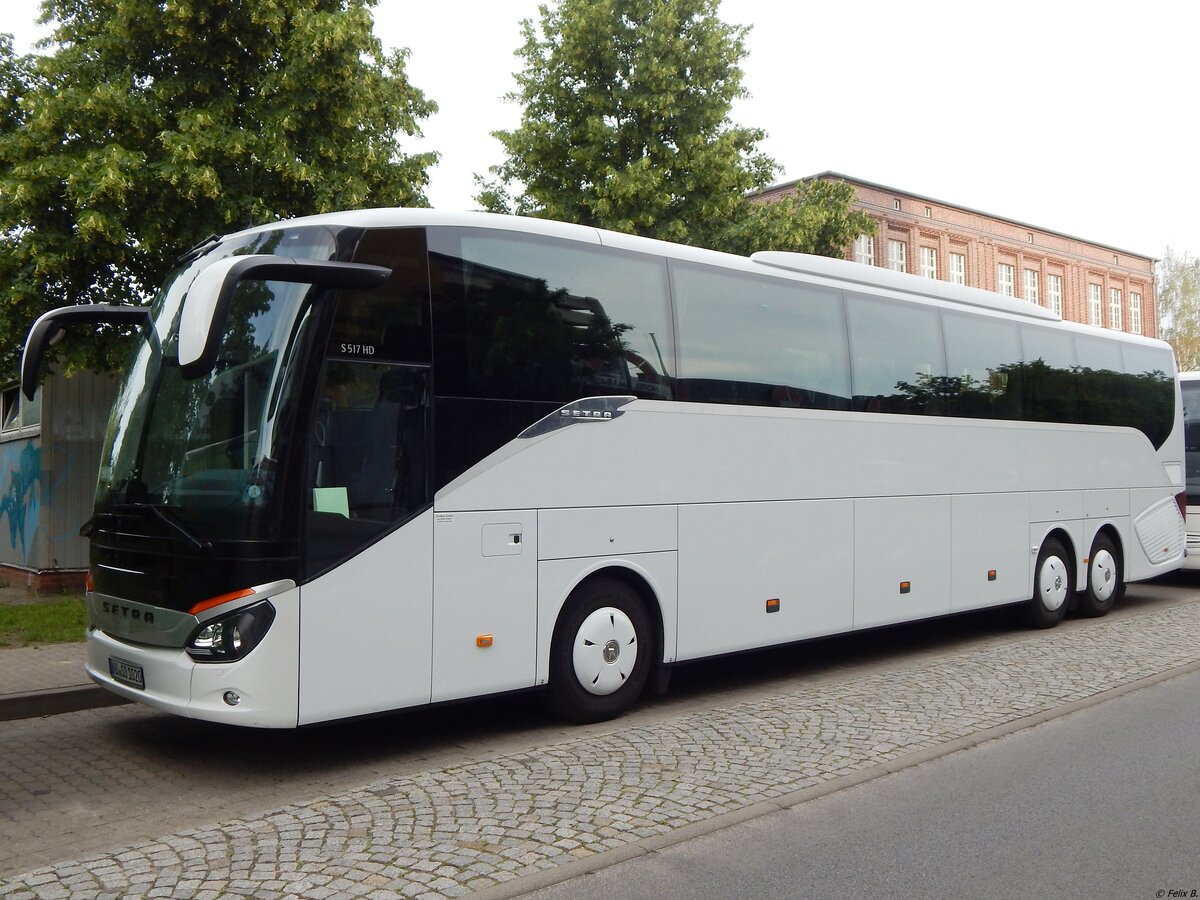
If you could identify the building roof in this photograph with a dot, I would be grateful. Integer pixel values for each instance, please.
(883, 187)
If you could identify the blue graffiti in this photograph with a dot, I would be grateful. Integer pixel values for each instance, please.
(21, 501)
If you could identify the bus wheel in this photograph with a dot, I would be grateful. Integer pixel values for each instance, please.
(602, 652)
(1105, 579)
(1051, 587)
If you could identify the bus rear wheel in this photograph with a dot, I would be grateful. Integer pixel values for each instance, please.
(602, 652)
(1105, 578)
(1052, 586)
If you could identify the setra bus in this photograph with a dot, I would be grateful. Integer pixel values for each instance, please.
(369, 460)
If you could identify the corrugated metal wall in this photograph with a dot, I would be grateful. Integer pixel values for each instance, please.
(50, 479)
(21, 505)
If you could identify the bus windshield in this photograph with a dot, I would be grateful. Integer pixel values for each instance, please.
(203, 451)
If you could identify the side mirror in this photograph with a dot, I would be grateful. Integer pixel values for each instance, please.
(49, 326)
(206, 308)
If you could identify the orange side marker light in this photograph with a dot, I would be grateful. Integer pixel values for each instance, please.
(217, 601)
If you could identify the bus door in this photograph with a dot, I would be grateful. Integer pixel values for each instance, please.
(367, 543)
(366, 613)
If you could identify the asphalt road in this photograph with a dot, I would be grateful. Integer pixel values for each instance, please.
(1099, 803)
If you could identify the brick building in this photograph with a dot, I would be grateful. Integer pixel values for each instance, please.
(1081, 280)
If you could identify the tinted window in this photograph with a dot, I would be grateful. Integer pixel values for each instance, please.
(759, 341)
(1103, 392)
(896, 352)
(518, 317)
(1050, 382)
(523, 325)
(984, 355)
(389, 323)
(368, 459)
(1191, 437)
(1150, 386)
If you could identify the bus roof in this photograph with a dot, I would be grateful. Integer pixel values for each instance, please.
(848, 274)
(874, 276)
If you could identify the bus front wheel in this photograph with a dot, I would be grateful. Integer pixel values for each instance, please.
(1051, 586)
(1105, 578)
(602, 652)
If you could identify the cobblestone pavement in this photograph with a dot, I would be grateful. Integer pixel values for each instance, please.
(481, 825)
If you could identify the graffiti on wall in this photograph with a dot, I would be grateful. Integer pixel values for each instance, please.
(21, 503)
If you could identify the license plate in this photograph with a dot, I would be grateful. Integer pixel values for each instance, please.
(126, 673)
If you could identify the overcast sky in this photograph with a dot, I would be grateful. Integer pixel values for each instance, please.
(1077, 117)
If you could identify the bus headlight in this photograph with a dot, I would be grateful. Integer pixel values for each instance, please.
(231, 636)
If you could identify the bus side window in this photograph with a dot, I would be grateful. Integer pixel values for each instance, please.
(984, 354)
(369, 462)
(897, 357)
(760, 341)
(1049, 376)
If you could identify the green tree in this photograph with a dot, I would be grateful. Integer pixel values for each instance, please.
(819, 218)
(626, 126)
(150, 125)
(13, 78)
(626, 121)
(1179, 303)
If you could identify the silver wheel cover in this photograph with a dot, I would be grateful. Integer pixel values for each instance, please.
(1052, 583)
(1103, 575)
(605, 651)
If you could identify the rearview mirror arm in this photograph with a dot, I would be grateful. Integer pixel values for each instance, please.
(49, 325)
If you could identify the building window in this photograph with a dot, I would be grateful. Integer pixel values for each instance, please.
(1006, 277)
(1114, 308)
(15, 412)
(929, 262)
(864, 250)
(1030, 285)
(1095, 306)
(896, 255)
(928, 212)
(1054, 293)
(958, 268)
(895, 204)
(1135, 312)
(1029, 236)
(10, 417)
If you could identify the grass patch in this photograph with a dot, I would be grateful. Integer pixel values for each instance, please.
(55, 622)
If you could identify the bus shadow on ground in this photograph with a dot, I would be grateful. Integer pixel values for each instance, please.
(205, 747)
(412, 735)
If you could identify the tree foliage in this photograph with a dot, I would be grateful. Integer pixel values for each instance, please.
(150, 125)
(626, 126)
(1179, 302)
(819, 218)
(625, 121)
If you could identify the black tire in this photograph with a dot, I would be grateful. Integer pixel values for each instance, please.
(602, 652)
(1105, 578)
(1052, 586)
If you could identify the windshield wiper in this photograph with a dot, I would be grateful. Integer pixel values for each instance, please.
(170, 521)
(199, 249)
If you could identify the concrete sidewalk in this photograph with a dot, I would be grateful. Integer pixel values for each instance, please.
(47, 680)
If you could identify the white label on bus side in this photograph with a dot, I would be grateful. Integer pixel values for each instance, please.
(443, 518)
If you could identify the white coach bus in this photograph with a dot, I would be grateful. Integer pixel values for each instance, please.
(377, 459)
